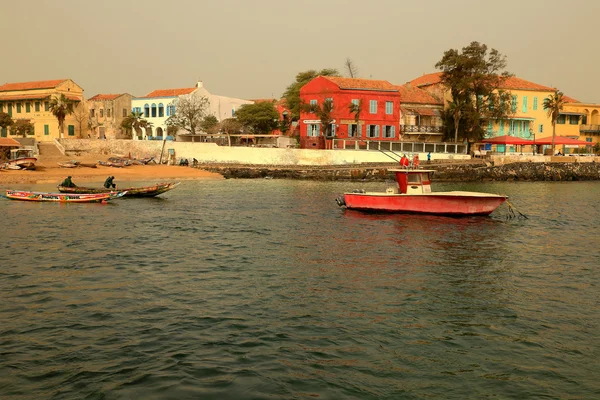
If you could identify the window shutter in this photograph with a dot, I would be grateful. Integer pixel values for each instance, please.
(359, 130)
(376, 130)
(393, 131)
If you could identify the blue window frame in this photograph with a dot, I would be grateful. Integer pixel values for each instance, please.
(27, 107)
(389, 107)
(146, 111)
(514, 104)
(524, 106)
(71, 130)
(18, 107)
(313, 102)
(46, 130)
(312, 129)
(161, 110)
(373, 106)
(535, 103)
(541, 128)
(355, 102)
(153, 110)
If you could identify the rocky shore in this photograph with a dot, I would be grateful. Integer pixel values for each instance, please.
(456, 172)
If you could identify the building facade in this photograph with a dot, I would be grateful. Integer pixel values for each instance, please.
(420, 112)
(30, 101)
(528, 119)
(106, 113)
(378, 117)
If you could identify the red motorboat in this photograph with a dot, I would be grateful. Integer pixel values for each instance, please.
(413, 195)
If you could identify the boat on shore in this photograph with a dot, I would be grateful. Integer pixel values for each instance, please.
(62, 197)
(145, 191)
(413, 195)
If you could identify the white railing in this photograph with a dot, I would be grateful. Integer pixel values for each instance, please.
(401, 147)
(60, 147)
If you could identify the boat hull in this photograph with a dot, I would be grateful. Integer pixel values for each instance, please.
(146, 191)
(441, 203)
(62, 197)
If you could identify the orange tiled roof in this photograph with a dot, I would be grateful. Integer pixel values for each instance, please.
(427, 79)
(570, 99)
(170, 92)
(410, 94)
(31, 85)
(510, 83)
(263, 100)
(363, 84)
(100, 97)
(8, 142)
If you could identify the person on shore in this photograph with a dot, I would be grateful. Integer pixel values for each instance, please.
(108, 183)
(68, 182)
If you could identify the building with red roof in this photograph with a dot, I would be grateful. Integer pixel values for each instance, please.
(30, 101)
(420, 115)
(376, 114)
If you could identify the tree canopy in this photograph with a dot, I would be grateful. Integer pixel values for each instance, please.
(5, 120)
(292, 92)
(474, 77)
(190, 112)
(22, 127)
(134, 122)
(260, 117)
(209, 124)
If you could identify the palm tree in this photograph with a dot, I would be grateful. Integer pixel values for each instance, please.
(356, 109)
(553, 105)
(457, 107)
(135, 121)
(60, 107)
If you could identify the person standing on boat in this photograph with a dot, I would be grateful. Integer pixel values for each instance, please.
(68, 182)
(428, 157)
(416, 162)
(108, 183)
(404, 161)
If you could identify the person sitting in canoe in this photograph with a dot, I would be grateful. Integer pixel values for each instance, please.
(68, 182)
(108, 183)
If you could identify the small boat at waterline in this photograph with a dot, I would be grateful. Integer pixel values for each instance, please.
(413, 195)
(145, 191)
(63, 198)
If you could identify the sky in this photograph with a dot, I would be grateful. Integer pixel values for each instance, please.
(254, 48)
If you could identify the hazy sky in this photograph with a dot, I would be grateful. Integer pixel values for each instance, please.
(254, 48)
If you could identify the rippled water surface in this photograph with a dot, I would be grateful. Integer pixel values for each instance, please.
(265, 289)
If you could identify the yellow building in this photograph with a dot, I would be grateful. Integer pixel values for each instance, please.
(31, 100)
(528, 119)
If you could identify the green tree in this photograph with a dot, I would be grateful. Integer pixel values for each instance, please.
(323, 112)
(5, 120)
(553, 105)
(292, 92)
(230, 126)
(23, 127)
(60, 107)
(209, 124)
(259, 118)
(474, 77)
(134, 122)
(190, 112)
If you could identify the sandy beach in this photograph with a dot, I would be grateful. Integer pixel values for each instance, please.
(48, 171)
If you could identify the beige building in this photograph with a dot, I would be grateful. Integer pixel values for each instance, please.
(106, 113)
(420, 112)
(31, 101)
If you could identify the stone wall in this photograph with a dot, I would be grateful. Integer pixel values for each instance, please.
(210, 153)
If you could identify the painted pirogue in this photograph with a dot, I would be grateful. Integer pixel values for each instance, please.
(62, 197)
(145, 191)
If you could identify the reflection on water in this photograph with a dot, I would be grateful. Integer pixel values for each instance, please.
(266, 289)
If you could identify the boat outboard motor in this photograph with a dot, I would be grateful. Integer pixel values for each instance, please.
(340, 201)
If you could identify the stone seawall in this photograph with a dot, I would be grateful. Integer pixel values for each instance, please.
(453, 172)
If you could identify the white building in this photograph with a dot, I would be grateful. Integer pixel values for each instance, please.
(159, 105)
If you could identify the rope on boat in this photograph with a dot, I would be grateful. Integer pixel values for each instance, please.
(513, 212)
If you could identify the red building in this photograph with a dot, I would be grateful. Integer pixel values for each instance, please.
(376, 102)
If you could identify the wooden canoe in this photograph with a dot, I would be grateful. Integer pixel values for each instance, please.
(145, 191)
(63, 197)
